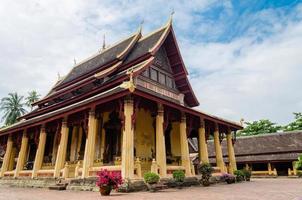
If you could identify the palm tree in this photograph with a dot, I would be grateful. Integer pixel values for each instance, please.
(13, 107)
(33, 96)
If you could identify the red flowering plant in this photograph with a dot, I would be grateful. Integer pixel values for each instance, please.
(112, 179)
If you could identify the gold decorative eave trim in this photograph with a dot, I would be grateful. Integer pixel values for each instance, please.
(162, 37)
(133, 71)
(108, 70)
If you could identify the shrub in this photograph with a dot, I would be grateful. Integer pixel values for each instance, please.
(111, 179)
(239, 175)
(151, 178)
(205, 170)
(179, 176)
(298, 164)
(247, 174)
(229, 178)
(299, 174)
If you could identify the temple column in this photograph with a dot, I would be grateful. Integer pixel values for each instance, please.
(128, 141)
(22, 154)
(40, 152)
(73, 147)
(269, 168)
(61, 155)
(90, 144)
(7, 156)
(184, 147)
(160, 142)
(203, 149)
(79, 143)
(218, 150)
(231, 153)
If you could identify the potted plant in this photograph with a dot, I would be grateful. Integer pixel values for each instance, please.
(228, 178)
(205, 170)
(179, 178)
(239, 175)
(108, 181)
(247, 174)
(151, 179)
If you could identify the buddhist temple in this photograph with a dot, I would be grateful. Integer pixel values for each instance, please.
(128, 108)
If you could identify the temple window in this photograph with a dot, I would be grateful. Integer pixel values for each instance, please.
(169, 82)
(162, 78)
(154, 74)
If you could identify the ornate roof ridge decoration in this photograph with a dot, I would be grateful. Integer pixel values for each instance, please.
(105, 50)
(159, 43)
(137, 36)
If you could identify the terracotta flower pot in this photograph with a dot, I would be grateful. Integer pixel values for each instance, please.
(105, 190)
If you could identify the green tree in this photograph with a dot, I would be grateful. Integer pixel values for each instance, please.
(298, 164)
(259, 127)
(295, 125)
(12, 107)
(32, 97)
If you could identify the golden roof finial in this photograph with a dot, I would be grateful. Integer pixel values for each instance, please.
(59, 76)
(141, 26)
(104, 43)
(242, 121)
(171, 17)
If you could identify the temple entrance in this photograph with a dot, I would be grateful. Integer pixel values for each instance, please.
(112, 138)
(282, 168)
(32, 149)
(169, 158)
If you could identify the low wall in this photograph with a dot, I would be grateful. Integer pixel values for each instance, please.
(27, 182)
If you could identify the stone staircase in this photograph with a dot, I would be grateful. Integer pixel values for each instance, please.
(60, 185)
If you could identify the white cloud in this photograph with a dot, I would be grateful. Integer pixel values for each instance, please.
(263, 81)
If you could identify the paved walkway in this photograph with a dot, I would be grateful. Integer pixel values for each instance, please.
(257, 189)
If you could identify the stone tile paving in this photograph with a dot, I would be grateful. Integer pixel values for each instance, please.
(257, 189)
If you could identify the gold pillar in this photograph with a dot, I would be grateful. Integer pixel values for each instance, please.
(269, 168)
(61, 155)
(79, 143)
(203, 149)
(73, 145)
(128, 142)
(90, 144)
(22, 154)
(7, 156)
(184, 147)
(40, 152)
(160, 142)
(102, 146)
(218, 150)
(231, 153)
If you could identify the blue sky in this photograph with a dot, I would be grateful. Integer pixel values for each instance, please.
(243, 56)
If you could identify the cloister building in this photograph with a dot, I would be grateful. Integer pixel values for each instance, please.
(128, 108)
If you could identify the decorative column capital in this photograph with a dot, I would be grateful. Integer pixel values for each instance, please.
(64, 122)
(91, 113)
(183, 117)
(216, 127)
(202, 123)
(43, 128)
(24, 133)
(160, 109)
(128, 100)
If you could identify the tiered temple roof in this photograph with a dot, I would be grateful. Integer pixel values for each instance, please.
(99, 78)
